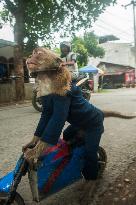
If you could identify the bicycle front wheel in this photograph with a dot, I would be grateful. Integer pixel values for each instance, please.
(17, 201)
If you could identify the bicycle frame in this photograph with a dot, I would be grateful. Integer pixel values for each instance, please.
(57, 168)
(10, 182)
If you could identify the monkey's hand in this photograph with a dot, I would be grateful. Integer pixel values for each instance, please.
(31, 144)
(34, 153)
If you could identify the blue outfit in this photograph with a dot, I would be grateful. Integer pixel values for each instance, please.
(82, 115)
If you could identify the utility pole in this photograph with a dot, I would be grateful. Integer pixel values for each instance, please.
(134, 17)
(133, 3)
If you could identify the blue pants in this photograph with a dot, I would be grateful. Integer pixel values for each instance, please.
(91, 138)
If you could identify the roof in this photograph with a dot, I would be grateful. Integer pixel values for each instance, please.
(4, 43)
(119, 72)
(114, 64)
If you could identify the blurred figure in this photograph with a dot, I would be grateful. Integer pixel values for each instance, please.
(69, 58)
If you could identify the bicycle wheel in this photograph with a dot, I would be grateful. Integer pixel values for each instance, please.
(36, 102)
(18, 199)
(86, 94)
(102, 159)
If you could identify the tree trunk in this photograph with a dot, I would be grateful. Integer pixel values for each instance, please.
(19, 72)
(18, 53)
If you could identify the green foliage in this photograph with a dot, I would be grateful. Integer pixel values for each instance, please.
(98, 52)
(91, 43)
(4, 14)
(41, 18)
(79, 48)
(103, 39)
(87, 46)
(57, 50)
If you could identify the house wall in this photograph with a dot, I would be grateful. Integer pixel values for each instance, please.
(8, 93)
(116, 53)
(7, 52)
(119, 53)
(7, 90)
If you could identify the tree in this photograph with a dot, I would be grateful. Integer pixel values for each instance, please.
(104, 39)
(79, 48)
(92, 45)
(87, 46)
(38, 19)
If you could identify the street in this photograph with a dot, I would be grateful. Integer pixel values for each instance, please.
(18, 122)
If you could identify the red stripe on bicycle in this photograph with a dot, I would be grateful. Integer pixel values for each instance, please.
(55, 174)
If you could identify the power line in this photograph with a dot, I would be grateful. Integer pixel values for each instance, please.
(115, 27)
(105, 26)
(119, 17)
(112, 30)
(133, 3)
(122, 37)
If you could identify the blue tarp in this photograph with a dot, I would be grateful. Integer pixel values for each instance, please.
(88, 69)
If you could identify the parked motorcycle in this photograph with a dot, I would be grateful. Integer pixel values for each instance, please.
(58, 167)
(36, 101)
(81, 82)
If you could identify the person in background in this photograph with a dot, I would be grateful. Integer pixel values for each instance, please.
(69, 58)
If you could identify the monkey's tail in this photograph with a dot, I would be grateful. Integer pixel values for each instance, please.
(118, 114)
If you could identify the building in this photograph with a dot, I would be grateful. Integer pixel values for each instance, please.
(7, 69)
(118, 64)
(116, 76)
(7, 62)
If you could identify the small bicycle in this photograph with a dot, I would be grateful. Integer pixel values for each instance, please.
(58, 167)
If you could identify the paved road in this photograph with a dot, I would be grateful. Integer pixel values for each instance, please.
(17, 124)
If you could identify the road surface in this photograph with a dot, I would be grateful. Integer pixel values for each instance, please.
(18, 122)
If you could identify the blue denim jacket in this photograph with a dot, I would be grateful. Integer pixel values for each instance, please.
(72, 108)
